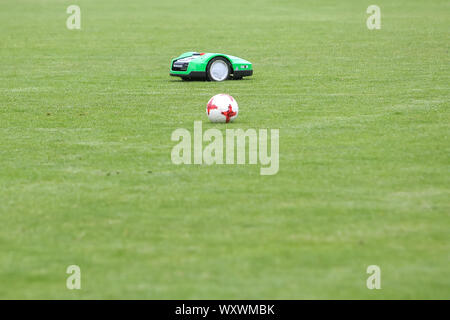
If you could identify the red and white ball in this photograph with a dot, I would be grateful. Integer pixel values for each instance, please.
(222, 108)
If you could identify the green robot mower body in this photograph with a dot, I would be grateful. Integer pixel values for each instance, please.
(210, 66)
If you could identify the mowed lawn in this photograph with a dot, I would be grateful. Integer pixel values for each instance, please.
(86, 177)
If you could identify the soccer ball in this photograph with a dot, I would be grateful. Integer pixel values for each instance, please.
(222, 108)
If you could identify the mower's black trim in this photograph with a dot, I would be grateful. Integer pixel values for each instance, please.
(242, 73)
(201, 75)
(179, 66)
(193, 75)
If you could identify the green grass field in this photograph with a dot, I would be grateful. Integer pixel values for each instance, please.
(86, 176)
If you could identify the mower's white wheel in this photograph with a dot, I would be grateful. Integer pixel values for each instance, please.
(218, 69)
